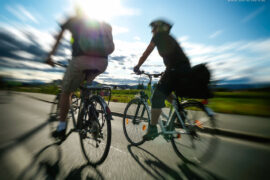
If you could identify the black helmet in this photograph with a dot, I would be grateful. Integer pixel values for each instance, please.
(161, 25)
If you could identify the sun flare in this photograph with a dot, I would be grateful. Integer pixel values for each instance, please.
(100, 9)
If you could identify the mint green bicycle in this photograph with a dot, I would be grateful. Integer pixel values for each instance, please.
(187, 124)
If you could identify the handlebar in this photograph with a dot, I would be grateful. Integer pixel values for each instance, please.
(149, 74)
(60, 64)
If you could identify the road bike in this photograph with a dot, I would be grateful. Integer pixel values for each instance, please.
(188, 123)
(93, 123)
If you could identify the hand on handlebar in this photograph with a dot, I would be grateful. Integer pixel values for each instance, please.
(136, 69)
(50, 61)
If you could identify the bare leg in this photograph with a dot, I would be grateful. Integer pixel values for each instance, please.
(64, 104)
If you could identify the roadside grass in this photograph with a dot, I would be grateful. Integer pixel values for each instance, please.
(244, 106)
(237, 102)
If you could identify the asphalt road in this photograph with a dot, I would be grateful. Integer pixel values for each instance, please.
(27, 152)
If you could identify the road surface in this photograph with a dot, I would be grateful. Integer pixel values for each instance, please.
(27, 152)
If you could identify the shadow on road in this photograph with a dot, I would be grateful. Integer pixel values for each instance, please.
(194, 171)
(151, 164)
(33, 97)
(85, 172)
(159, 170)
(45, 164)
(17, 141)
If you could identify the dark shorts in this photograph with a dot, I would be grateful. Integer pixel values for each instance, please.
(168, 83)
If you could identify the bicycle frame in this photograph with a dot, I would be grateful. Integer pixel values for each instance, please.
(174, 107)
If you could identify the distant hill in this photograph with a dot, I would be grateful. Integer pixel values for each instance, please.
(230, 85)
(243, 86)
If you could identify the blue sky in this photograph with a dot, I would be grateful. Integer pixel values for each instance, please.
(232, 36)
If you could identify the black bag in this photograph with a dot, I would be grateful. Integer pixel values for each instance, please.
(197, 84)
(200, 74)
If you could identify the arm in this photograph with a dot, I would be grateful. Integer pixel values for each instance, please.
(145, 55)
(49, 59)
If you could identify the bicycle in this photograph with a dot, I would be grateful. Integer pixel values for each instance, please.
(184, 123)
(93, 122)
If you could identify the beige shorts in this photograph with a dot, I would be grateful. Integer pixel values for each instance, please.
(74, 75)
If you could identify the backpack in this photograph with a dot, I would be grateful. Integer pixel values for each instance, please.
(200, 74)
(196, 84)
(95, 38)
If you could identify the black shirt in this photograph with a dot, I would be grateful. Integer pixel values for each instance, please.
(171, 52)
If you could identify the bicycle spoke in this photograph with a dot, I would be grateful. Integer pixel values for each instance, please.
(95, 141)
(135, 121)
(195, 145)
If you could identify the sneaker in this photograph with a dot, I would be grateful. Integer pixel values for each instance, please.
(59, 134)
(151, 134)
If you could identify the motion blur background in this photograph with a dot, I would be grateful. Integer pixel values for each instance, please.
(231, 36)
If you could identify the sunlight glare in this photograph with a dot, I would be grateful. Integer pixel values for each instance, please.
(100, 9)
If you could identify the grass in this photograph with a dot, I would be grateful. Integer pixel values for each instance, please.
(236, 102)
(244, 106)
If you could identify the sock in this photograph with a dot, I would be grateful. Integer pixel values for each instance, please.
(61, 126)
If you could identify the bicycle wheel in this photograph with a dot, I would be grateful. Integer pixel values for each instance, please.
(54, 113)
(135, 122)
(95, 126)
(74, 107)
(198, 145)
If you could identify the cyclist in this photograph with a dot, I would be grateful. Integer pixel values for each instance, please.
(85, 55)
(177, 66)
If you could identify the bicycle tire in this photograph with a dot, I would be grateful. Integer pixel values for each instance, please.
(135, 128)
(93, 154)
(75, 106)
(200, 144)
(54, 112)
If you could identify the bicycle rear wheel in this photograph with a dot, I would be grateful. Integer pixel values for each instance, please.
(95, 126)
(135, 122)
(198, 145)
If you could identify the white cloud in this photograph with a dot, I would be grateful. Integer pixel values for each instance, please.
(16, 32)
(241, 59)
(183, 38)
(233, 60)
(21, 13)
(119, 30)
(102, 9)
(136, 38)
(253, 14)
(216, 34)
(27, 14)
(31, 75)
(24, 54)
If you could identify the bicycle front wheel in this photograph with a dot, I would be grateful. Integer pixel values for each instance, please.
(54, 113)
(95, 130)
(198, 141)
(135, 122)
(74, 108)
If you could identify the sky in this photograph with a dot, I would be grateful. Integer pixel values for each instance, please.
(231, 36)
